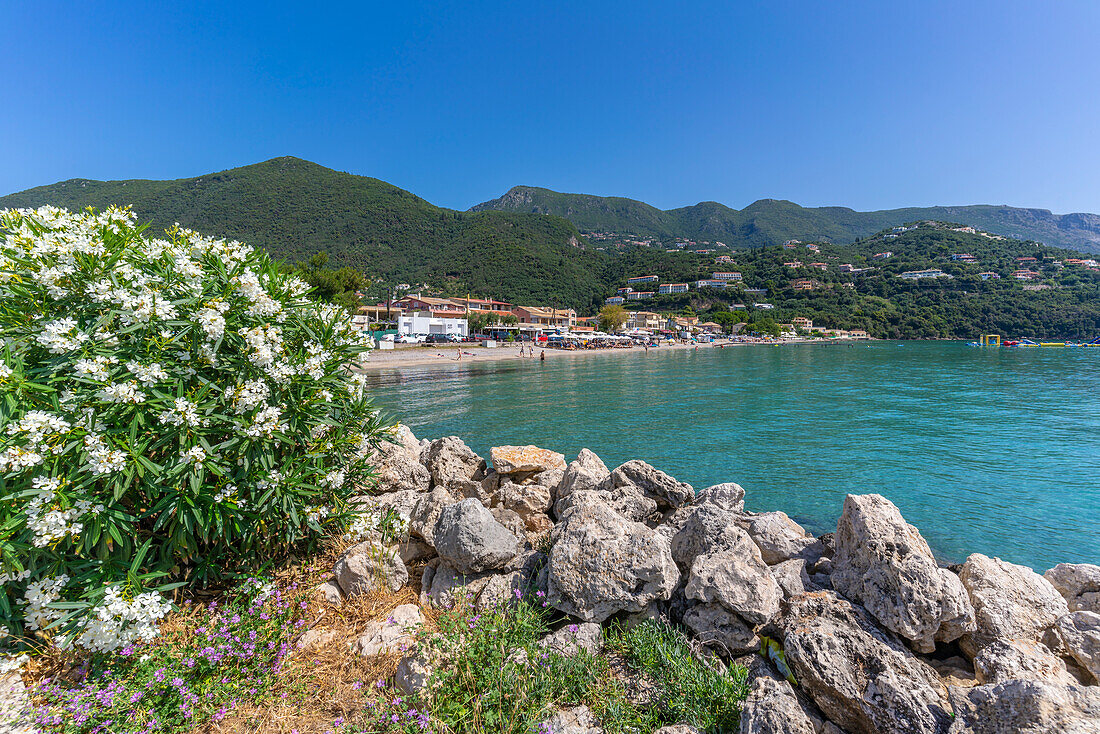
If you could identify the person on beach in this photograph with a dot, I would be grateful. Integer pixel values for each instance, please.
(542, 355)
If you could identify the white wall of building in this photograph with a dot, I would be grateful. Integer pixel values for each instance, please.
(424, 323)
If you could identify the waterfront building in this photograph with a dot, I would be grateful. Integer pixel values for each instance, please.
(554, 317)
(625, 291)
(428, 322)
(801, 322)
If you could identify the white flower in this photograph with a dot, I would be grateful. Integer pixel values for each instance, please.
(248, 396)
(184, 413)
(122, 392)
(266, 422)
(148, 375)
(61, 336)
(5, 371)
(195, 455)
(97, 367)
(211, 321)
(334, 479)
(102, 459)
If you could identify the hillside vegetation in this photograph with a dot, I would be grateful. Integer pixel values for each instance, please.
(772, 221)
(295, 209)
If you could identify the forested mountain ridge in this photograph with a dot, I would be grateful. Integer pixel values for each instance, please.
(295, 209)
(773, 221)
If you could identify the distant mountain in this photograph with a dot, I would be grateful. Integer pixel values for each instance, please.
(294, 208)
(772, 221)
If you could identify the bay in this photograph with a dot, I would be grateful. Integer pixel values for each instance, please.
(991, 450)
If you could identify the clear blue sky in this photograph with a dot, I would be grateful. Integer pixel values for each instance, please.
(863, 104)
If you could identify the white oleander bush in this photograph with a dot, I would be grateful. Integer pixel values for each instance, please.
(172, 411)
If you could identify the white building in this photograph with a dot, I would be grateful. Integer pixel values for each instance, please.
(423, 322)
(672, 288)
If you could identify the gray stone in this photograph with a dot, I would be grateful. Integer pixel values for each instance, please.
(470, 540)
(772, 708)
(412, 674)
(511, 521)
(883, 563)
(587, 473)
(402, 502)
(601, 563)
(515, 459)
(578, 720)
(314, 639)
(426, 512)
(1079, 585)
(413, 550)
(1080, 633)
(667, 492)
(679, 729)
(628, 501)
(735, 576)
(393, 634)
(396, 464)
(573, 638)
(524, 500)
(1025, 707)
(726, 496)
(1010, 602)
(717, 627)
(444, 587)
(1004, 660)
(330, 592)
(703, 529)
(450, 461)
(859, 675)
(369, 566)
(792, 577)
(779, 537)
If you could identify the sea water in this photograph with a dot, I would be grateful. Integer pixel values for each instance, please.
(988, 450)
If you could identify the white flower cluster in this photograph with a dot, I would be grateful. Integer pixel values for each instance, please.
(117, 622)
(148, 375)
(183, 413)
(97, 367)
(211, 319)
(102, 459)
(122, 392)
(61, 336)
(5, 371)
(260, 302)
(37, 598)
(49, 522)
(248, 396)
(267, 422)
(194, 455)
(333, 480)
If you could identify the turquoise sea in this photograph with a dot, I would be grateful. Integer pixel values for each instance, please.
(984, 450)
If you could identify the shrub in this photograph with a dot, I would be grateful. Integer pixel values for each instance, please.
(171, 411)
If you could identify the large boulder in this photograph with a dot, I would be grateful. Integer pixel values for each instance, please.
(514, 459)
(393, 634)
(702, 529)
(369, 567)
(1079, 585)
(425, 513)
(1025, 707)
(734, 575)
(1004, 660)
(1010, 602)
(726, 496)
(792, 577)
(627, 501)
(717, 627)
(667, 492)
(396, 462)
(1080, 634)
(883, 563)
(452, 463)
(601, 563)
(772, 708)
(586, 473)
(779, 537)
(858, 674)
(525, 500)
(469, 539)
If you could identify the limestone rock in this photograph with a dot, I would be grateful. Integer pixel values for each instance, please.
(602, 563)
(524, 500)
(704, 529)
(717, 627)
(679, 729)
(450, 460)
(510, 520)
(313, 639)
(667, 492)
(470, 540)
(402, 501)
(397, 464)
(412, 674)
(627, 501)
(1078, 583)
(1010, 602)
(1080, 633)
(586, 473)
(860, 676)
(735, 576)
(512, 459)
(412, 550)
(369, 566)
(393, 634)
(779, 537)
(792, 577)
(577, 720)
(726, 496)
(772, 708)
(1004, 660)
(539, 524)
(330, 592)
(443, 586)
(883, 563)
(426, 512)
(1025, 707)
(573, 638)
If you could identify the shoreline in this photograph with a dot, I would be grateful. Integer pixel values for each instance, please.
(445, 354)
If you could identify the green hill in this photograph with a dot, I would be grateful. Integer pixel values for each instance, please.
(772, 221)
(294, 209)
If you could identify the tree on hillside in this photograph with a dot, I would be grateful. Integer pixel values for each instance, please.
(611, 318)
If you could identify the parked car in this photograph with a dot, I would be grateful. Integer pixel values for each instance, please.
(387, 337)
(437, 339)
(409, 339)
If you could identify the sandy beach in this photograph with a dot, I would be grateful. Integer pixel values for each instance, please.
(421, 355)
